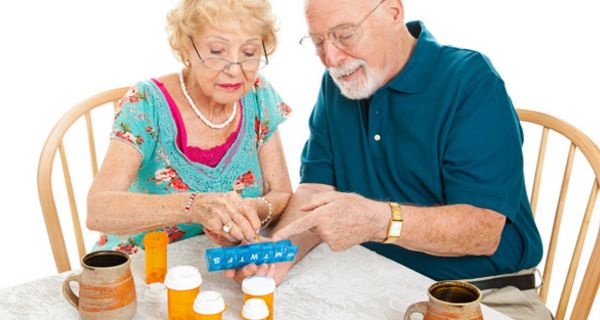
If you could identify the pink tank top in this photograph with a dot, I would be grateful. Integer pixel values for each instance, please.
(210, 157)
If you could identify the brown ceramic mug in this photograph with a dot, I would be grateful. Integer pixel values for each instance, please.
(106, 287)
(449, 300)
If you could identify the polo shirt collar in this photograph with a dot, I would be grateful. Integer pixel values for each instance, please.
(417, 72)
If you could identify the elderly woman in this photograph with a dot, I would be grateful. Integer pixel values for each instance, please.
(198, 150)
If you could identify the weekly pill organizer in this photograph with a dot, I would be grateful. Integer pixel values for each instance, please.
(257, 253)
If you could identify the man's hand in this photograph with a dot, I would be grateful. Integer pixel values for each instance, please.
(341, 220)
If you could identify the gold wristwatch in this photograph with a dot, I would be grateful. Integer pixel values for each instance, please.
(395, 226)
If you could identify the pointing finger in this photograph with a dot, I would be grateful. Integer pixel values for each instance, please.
(299, 226)
(320, 199)
(250, 213)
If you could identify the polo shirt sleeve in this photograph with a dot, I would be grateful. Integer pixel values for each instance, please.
(317, 157)
(482, 158)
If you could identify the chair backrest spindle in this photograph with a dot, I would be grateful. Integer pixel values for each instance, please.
(591, 278)
(91, 143)
(72, 204)
(560, 207)
(539, 167)
(568, 286)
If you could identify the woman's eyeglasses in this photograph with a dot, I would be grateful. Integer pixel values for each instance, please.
(221, 64)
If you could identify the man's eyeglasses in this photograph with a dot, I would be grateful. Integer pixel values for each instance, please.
(343, 37)
(221, 64)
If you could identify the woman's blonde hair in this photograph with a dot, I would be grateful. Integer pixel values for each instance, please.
(190, 17)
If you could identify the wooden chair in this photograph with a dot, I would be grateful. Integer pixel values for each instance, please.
(44, 177)
(589, 284)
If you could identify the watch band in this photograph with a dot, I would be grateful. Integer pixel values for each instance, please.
(395, 225)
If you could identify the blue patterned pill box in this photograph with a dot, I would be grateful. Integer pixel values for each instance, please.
(258, 253)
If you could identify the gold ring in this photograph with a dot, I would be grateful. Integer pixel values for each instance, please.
(227, 226)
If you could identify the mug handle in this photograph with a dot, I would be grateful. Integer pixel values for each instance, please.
(68, 292)
(419, 307)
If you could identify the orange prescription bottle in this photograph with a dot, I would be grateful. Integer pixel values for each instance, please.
(155, 244)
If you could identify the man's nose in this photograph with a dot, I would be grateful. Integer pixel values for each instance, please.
(332, 55)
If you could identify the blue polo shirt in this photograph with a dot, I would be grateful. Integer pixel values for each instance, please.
(443, 131)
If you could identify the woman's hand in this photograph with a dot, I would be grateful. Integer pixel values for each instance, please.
(276, 271)
(219, 239)
(226, 215)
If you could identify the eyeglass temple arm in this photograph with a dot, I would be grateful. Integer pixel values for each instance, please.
(369, 14)
(265, 52)
(196, 49)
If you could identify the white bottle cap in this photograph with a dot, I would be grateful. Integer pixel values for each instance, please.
(155, 292)
(183, 278)
(258, 285)
(255, 309)
(209, 302)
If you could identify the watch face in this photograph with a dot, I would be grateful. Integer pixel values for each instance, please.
(395, 228)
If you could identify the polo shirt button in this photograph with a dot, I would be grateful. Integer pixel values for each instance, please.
(377, 137)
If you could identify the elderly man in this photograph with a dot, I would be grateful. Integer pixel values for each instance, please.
(415, 153)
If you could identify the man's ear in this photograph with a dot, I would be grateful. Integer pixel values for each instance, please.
(396, 9)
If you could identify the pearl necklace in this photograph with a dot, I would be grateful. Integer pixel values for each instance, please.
(199, 114)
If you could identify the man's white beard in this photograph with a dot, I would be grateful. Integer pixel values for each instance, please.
(360, 88)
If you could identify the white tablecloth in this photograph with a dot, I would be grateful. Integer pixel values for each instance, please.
(354, 284)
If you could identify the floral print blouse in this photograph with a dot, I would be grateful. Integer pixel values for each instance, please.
(144, 121)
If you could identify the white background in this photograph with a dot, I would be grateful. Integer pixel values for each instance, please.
(56, 53)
